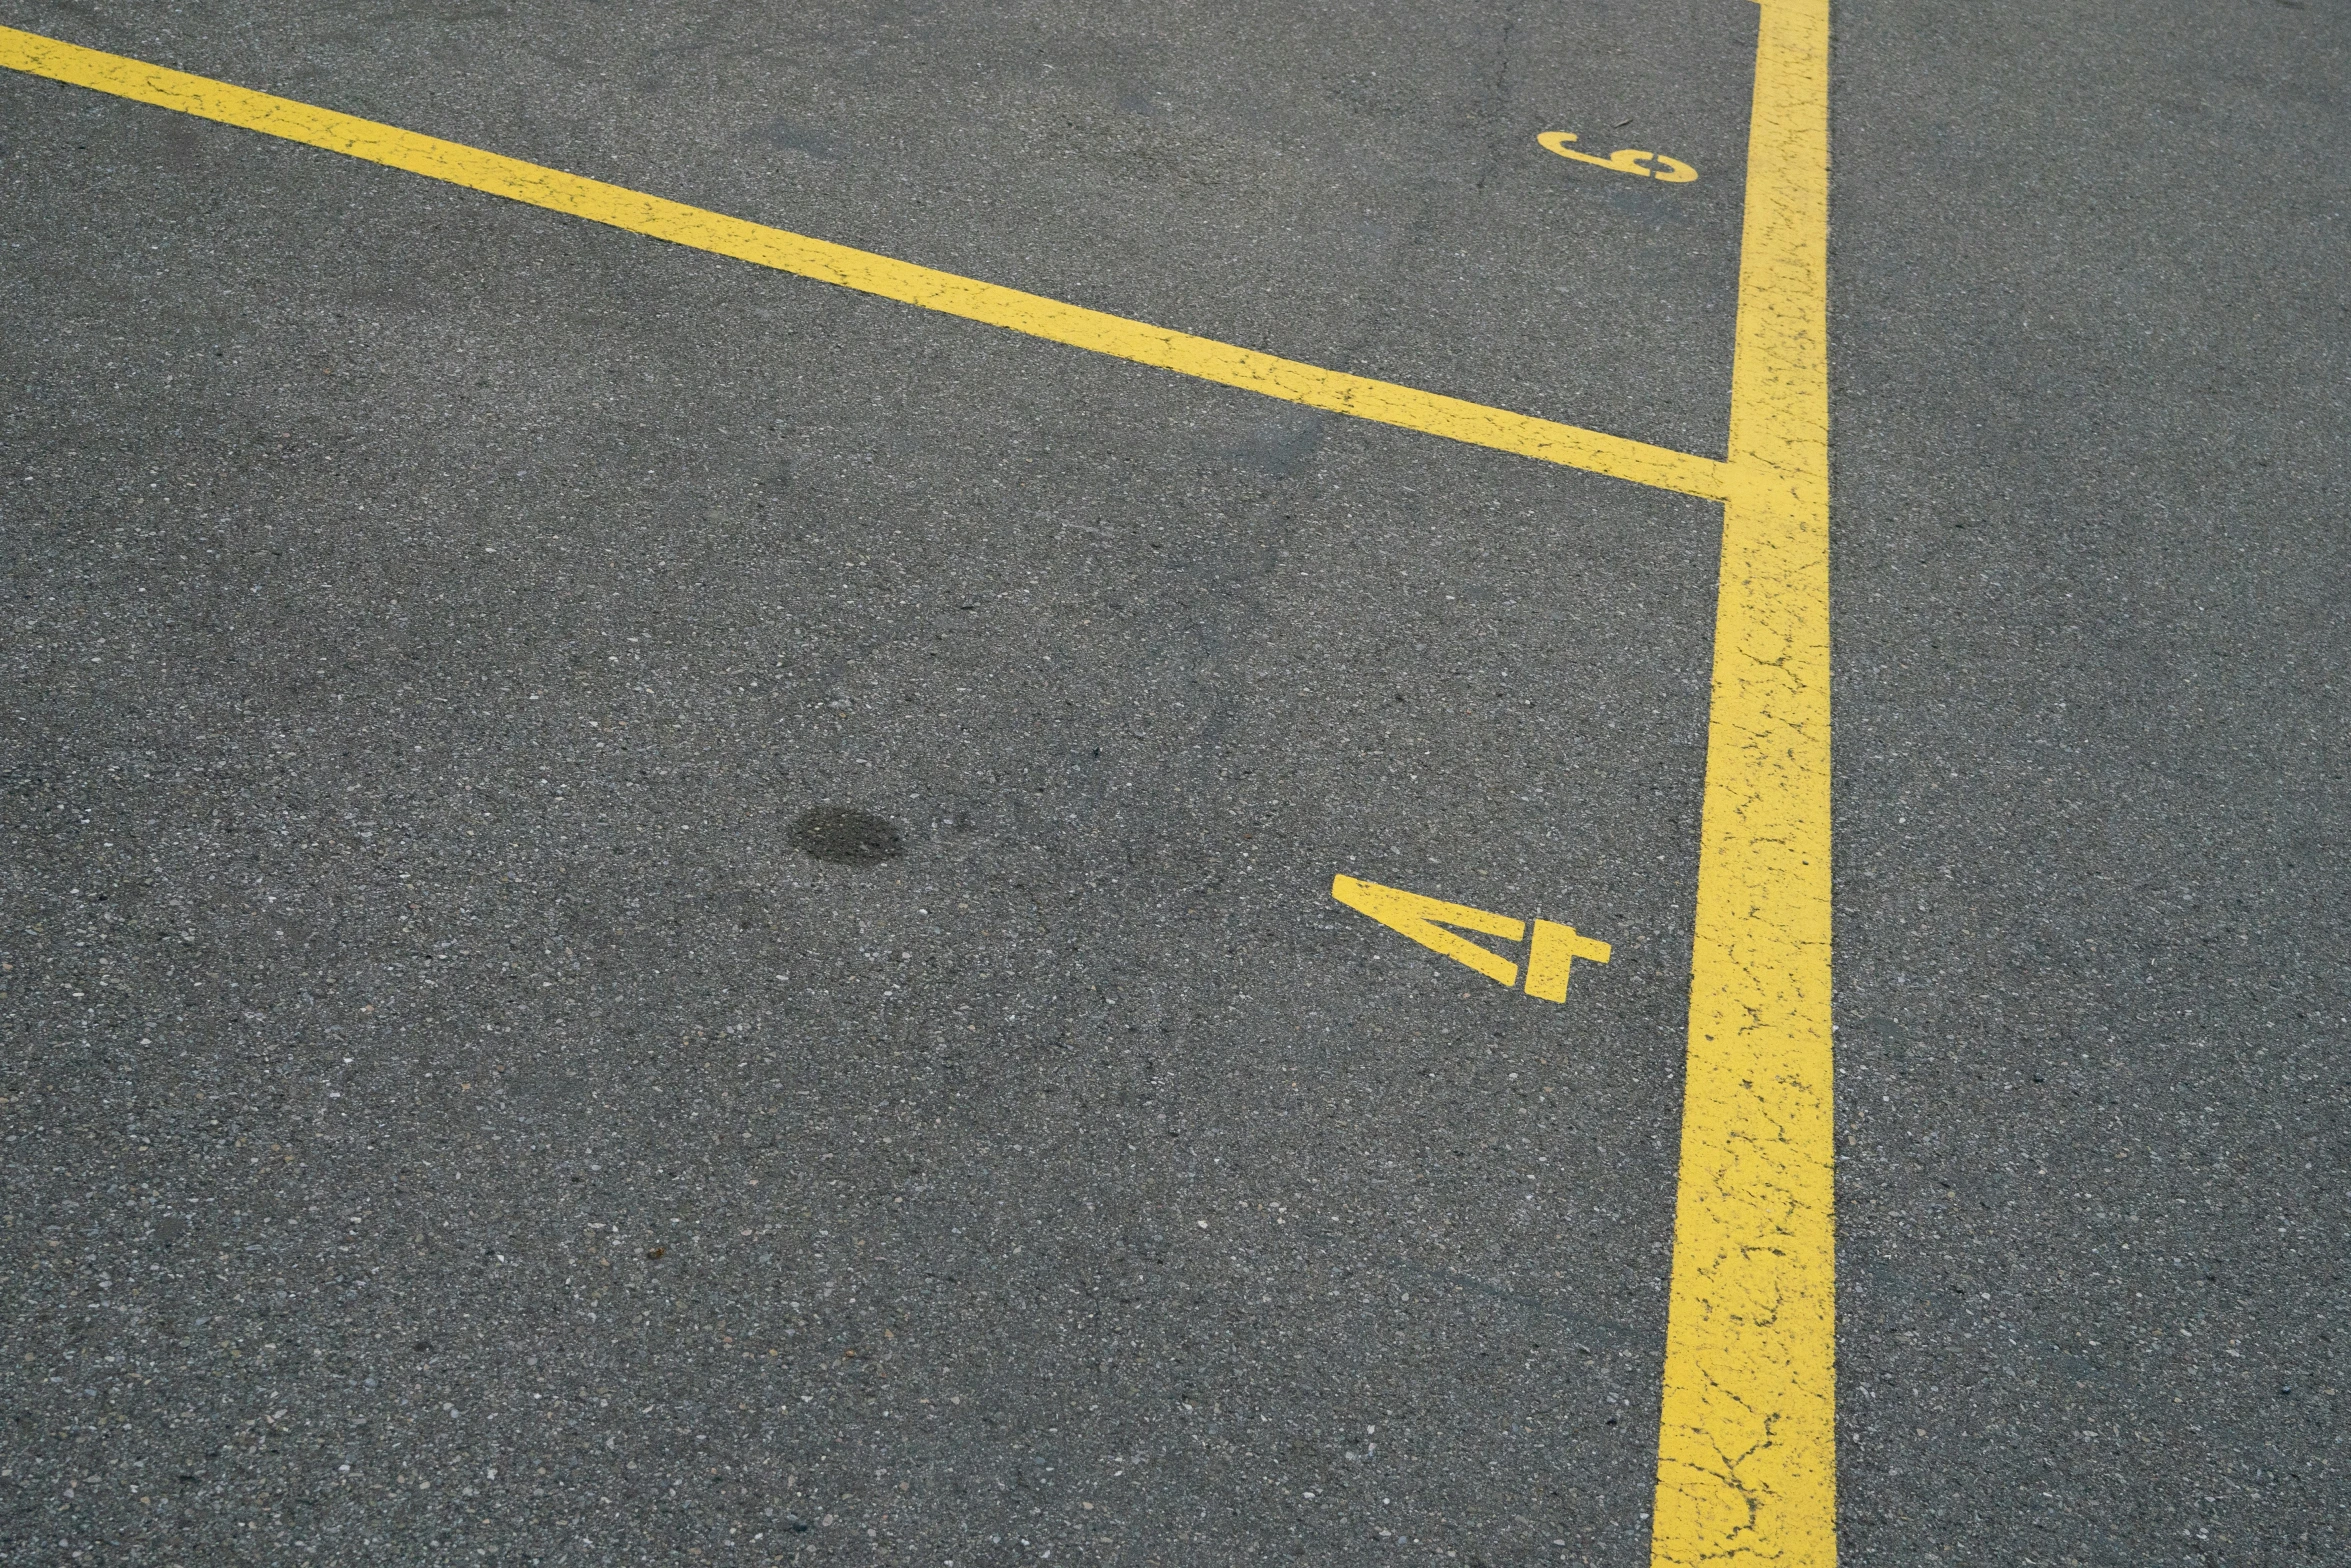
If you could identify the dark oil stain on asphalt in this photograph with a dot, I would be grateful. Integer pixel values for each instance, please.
(846, 836)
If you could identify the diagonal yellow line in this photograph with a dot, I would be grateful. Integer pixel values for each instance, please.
(1341, 393)
(1747, 1441)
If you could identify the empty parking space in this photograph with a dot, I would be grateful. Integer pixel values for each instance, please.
(662, 909)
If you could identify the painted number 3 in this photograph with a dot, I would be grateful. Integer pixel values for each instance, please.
(1626, 160)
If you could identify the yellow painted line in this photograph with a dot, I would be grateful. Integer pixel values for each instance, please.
(1746, 1463)
(1336, 391)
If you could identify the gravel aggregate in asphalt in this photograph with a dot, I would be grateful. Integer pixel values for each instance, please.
(655, 913)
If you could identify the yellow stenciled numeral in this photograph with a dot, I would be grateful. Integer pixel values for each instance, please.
(1424, 919)
(1625, 160)
(1553, 950)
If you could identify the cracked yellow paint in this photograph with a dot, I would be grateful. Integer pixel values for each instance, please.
(1746, 1461)
(1334, 390)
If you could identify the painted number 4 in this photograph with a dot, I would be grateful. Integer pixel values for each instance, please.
(1424, 919)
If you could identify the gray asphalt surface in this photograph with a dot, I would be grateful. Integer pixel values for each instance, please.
(451, 1116)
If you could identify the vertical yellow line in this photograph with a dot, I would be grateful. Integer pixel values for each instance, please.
(1746, 1463)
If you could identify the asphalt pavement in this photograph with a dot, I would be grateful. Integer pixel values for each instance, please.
(656, 912)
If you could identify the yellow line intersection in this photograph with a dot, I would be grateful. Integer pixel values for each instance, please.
(1747, 1443)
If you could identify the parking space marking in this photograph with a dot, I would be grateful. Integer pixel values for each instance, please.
(1747, 1446)
(1747, 1443)
(1337, 391)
